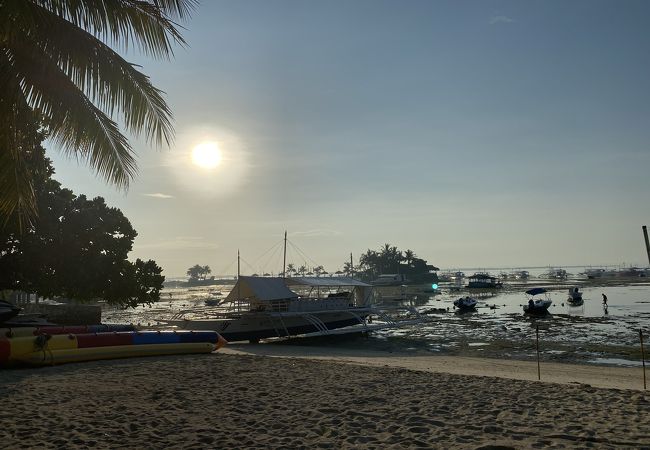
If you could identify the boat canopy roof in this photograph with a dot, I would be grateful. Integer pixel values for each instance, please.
(260, 288)
(536, 291)
(326, 281)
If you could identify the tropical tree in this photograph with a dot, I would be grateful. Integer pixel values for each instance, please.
(198, 272)
(389, 259)
(59, 72)
(409, 256)
(349, 269)
(77, 248)
(291, 269)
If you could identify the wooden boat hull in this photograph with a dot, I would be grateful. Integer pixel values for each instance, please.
(252, 326)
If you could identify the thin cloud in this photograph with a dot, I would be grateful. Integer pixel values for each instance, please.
(500, 19)
(181, 243)
(316, 233)
(158, 195)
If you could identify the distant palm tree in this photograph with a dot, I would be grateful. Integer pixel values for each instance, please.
(409, 256)
(57, 71)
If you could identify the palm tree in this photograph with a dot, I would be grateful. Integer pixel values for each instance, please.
(58, 72)
(409, 256)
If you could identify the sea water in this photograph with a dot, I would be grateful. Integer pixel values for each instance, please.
(590, 332)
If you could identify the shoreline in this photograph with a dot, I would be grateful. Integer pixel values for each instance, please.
(600, 376)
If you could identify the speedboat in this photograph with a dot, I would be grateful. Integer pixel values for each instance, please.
(7, 311)
(575, 296)
(537, 306)
(276, 307)
(465, 303)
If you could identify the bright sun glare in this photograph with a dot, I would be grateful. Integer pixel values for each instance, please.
(206, 155)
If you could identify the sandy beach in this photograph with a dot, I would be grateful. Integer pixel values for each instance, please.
(244, 397)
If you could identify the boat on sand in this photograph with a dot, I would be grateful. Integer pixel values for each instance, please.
(275, 307)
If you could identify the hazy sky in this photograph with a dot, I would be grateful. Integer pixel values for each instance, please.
(477, 133)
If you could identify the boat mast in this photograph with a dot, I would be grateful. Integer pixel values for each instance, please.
(238, 284)
(284, 260)
(351, 266)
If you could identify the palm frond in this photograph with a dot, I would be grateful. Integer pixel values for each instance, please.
(147, 24)
(73, 122)
(17, 201)
(110, 81)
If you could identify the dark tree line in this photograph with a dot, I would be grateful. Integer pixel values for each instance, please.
(390, 260)
(75, 247)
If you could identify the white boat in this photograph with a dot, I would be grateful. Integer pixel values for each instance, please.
(390, 279)
(520, 275)
(535, 305)
(465, 303)
(482, 280)
(595, 273)
(575, 295)
(555, 273)
(268, 307)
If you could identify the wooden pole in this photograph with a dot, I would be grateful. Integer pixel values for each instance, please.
(284, 258)
(647, 243)
(642, 358)
(539, 375)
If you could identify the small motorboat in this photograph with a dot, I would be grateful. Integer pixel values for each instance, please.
(575, 296)
(465, 303)
(537, 306)
(7, 311)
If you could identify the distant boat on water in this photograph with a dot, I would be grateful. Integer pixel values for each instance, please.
(555, 273)
(483, 281)
(575, 296)
(622, 272)
(391, 279)
(537, 306)
(456, 277)
(466, 304)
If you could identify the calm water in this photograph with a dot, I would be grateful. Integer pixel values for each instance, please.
(588, 333)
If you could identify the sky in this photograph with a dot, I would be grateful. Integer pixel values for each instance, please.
(476, 133)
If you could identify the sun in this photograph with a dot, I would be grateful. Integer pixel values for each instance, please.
(206, 155)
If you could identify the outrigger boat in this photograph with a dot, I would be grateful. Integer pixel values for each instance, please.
(275, 307)
(537, 306)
